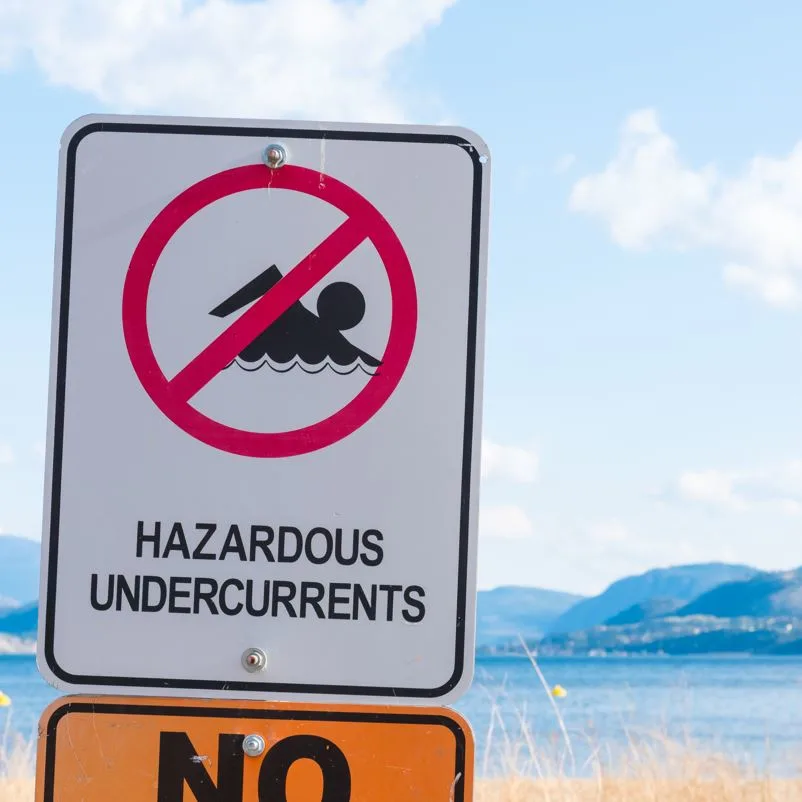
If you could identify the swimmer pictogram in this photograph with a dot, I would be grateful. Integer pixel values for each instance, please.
(300, 338)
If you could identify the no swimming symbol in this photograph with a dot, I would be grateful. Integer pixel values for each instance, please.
(276, 327)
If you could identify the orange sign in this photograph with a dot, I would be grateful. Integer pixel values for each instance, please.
(96, 749)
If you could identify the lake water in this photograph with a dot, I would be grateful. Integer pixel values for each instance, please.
(749, 709)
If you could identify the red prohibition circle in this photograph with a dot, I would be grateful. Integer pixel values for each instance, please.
(172, 397)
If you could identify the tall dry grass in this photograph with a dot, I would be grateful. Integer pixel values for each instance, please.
(646, 776)
(516, 766)
(643, 767)
(17, 769)
(726, 789)
(650, 769)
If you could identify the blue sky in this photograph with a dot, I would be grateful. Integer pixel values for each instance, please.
(642, 396)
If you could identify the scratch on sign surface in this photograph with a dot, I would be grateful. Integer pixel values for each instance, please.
(453, 787)
(322, 178)
(99, 740)
(77, 759)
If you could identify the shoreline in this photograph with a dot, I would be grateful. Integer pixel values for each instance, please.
(11, 645)
(638, 656)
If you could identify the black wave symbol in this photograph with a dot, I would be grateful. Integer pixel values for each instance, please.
(298, 335)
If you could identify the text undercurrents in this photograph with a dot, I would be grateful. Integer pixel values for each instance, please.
(180, 593)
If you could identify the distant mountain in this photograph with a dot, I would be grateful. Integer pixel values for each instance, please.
(684, 635)
(682, 583)
(644, 611)
(764, 595)
(19, 568)
(761, 614)
(504, 612)
(20, 622)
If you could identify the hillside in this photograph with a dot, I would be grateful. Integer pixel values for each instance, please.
(763, 595)
(19, 568)
(644, 611)
(682, 583)
(504, 612)
(681, 635)
(758, 615)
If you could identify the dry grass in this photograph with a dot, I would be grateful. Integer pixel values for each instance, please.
(17, 768)
(726, 789)
(646, 777)
(16, 790)
(577, 767)
(649, 768)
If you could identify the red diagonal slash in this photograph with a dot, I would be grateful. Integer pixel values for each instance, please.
(312, 269)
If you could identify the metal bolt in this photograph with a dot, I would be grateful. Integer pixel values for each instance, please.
(275, 156)
(254, 660)
(253, 745)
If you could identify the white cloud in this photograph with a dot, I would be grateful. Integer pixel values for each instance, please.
(513, 463)
(505, 521)
(6, 454)
(648, 197)
(606, 532)
(790, 506)
(711, 487)
(565, 162)
(776, 288)
(269, 58)
(777, 487)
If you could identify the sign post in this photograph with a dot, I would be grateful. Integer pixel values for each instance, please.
(265, 415)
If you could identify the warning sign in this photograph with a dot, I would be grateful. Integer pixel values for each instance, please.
(265, 410)
(277, 329)
(91, 747)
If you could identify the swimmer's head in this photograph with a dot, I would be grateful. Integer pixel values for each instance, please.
(341, 305)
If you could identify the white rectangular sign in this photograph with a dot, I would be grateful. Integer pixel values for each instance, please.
(265, 406)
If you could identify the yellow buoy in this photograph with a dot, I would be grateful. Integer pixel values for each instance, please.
(559, 691)
(5, 701)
